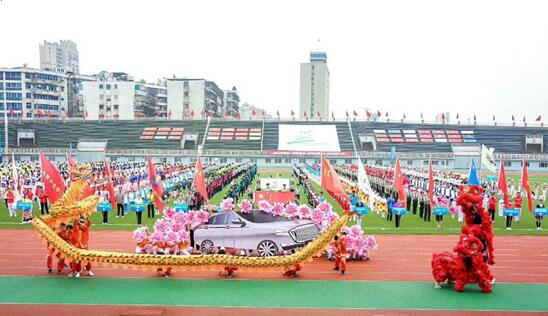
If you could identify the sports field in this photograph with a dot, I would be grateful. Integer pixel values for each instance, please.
(397, 280)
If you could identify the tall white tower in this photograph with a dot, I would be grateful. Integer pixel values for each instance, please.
(314, 95)
(59, 56)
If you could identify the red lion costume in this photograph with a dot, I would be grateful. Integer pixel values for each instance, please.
(475, 248)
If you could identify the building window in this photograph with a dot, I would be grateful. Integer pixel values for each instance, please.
(101, 97)
(268, 160)
(101, 106)
(435, 162)
(12, 75)
(115, 97)
(302, 160)
(348, 161)
(116, 106)
(409, 162)
(543, 165)
(287, 160)
(507, 163)
(115, 86)
(278, 160)
(100, 86)
(108, 87)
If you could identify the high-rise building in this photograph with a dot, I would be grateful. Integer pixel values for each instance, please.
(28, 93)
(194, 98)
(314, 94)
(59, 56)
(232, 102)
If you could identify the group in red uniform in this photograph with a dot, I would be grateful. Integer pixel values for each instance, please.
(78, 236)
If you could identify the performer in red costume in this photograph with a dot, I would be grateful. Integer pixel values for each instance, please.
(62, 233)
(80, 239)
(292, 271)
(475, 248)
(340, 254)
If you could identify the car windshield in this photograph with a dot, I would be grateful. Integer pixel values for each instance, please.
(262, 217)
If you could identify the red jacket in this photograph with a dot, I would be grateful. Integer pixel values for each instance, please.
(492, 203)
(517, 201)
(10, 197)
(43, 197)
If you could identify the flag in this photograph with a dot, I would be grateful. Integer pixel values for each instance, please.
(538, 118)
(292, 113)
(525, 185)
(386, 113)
(355, 113)
(513, 118)
(199, 180)
(431, 186)
(502, 184)
(110, 185)
(39, 112)
(398, 184)
(53, 181)
(487, 158)
(474, 117)
(263, 113)
(156, 184)
(347, 114)
(457, 116)
(333, 115)
(86, 113)
(305, 114)
(379, 114)
(368, 114)
(274, 196)
(443, 117)
(253, 112)
(473, 178)
(524, 119)
(319, 114)
(494, 118)
(192, 113)
(363, 182)
(332, 184)
(422, 115)
(71, 165)
(169, 114)
(278, 113)
(15, 178)
(49, 113)
(403, 117)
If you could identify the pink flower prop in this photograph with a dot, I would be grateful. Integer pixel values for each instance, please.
(140, 234)
(332, 217)
(317, 216)
(171, 238)
(157, 237)
(181, 218)
(356, 230)
(277, 209)
(161, 226)
(246, 206)
(325, 207)
(265, 206)
(177, 227)
(304, 212)
(291, 210)
(227, 205)
(168, 214)
(184, 236)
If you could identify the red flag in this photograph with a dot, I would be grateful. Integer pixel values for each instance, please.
(524, 119)
(292, 113)
(263, 112)
(457, 116)
(368, 114)
(474, 117)
(305, 115)
(443, 117)
(53, 181)
(110, 184)
(513, 118)
(192, 113)
(431, 186)
(253, 112)
(278, 113)
(71, 165)
(169, 114)
(156, 184)
(525, 185)
(86, 113)
(199, 180)
(502, 184)
(202, 113)
(355, 113)
(49, 113)
(332, 184)
(347, 114)
(11, 112)
(379, 114)
(158, 114)
(398, 184)
(386, 113)
(538, 118)
(39, 112)
(404, 116)
(319, 115)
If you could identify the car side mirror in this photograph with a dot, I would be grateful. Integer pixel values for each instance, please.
(238, 222)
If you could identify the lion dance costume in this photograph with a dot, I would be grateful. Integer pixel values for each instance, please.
(474, 252)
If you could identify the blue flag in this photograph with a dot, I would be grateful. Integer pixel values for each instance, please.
(473, 178)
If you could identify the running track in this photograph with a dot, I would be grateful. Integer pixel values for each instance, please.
(519, 259)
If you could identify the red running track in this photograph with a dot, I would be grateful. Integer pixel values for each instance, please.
(519, 259)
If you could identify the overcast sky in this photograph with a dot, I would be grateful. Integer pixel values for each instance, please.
(482, 57)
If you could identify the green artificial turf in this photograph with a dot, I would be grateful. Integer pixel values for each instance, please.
(275, 294)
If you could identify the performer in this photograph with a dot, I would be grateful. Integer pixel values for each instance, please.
(227, 271)
(340, 254)
(80, 239)
(62, 233)
(517, 204)
(540, 204)
(492, 206)
(292, 271)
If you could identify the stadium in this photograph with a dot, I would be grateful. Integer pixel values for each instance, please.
(265, 142)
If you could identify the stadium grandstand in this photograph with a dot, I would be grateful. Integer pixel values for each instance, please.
(280, 142)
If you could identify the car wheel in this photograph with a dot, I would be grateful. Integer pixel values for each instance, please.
(267, 248)
(206, 246)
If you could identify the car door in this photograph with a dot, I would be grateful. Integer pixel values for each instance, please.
(239, 232)
(214, 230)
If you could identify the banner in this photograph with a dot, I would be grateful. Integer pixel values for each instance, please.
(308, 138)
(274, 184)
(272, 196)
(308, 153)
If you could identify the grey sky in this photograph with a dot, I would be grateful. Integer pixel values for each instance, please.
(397, 56)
